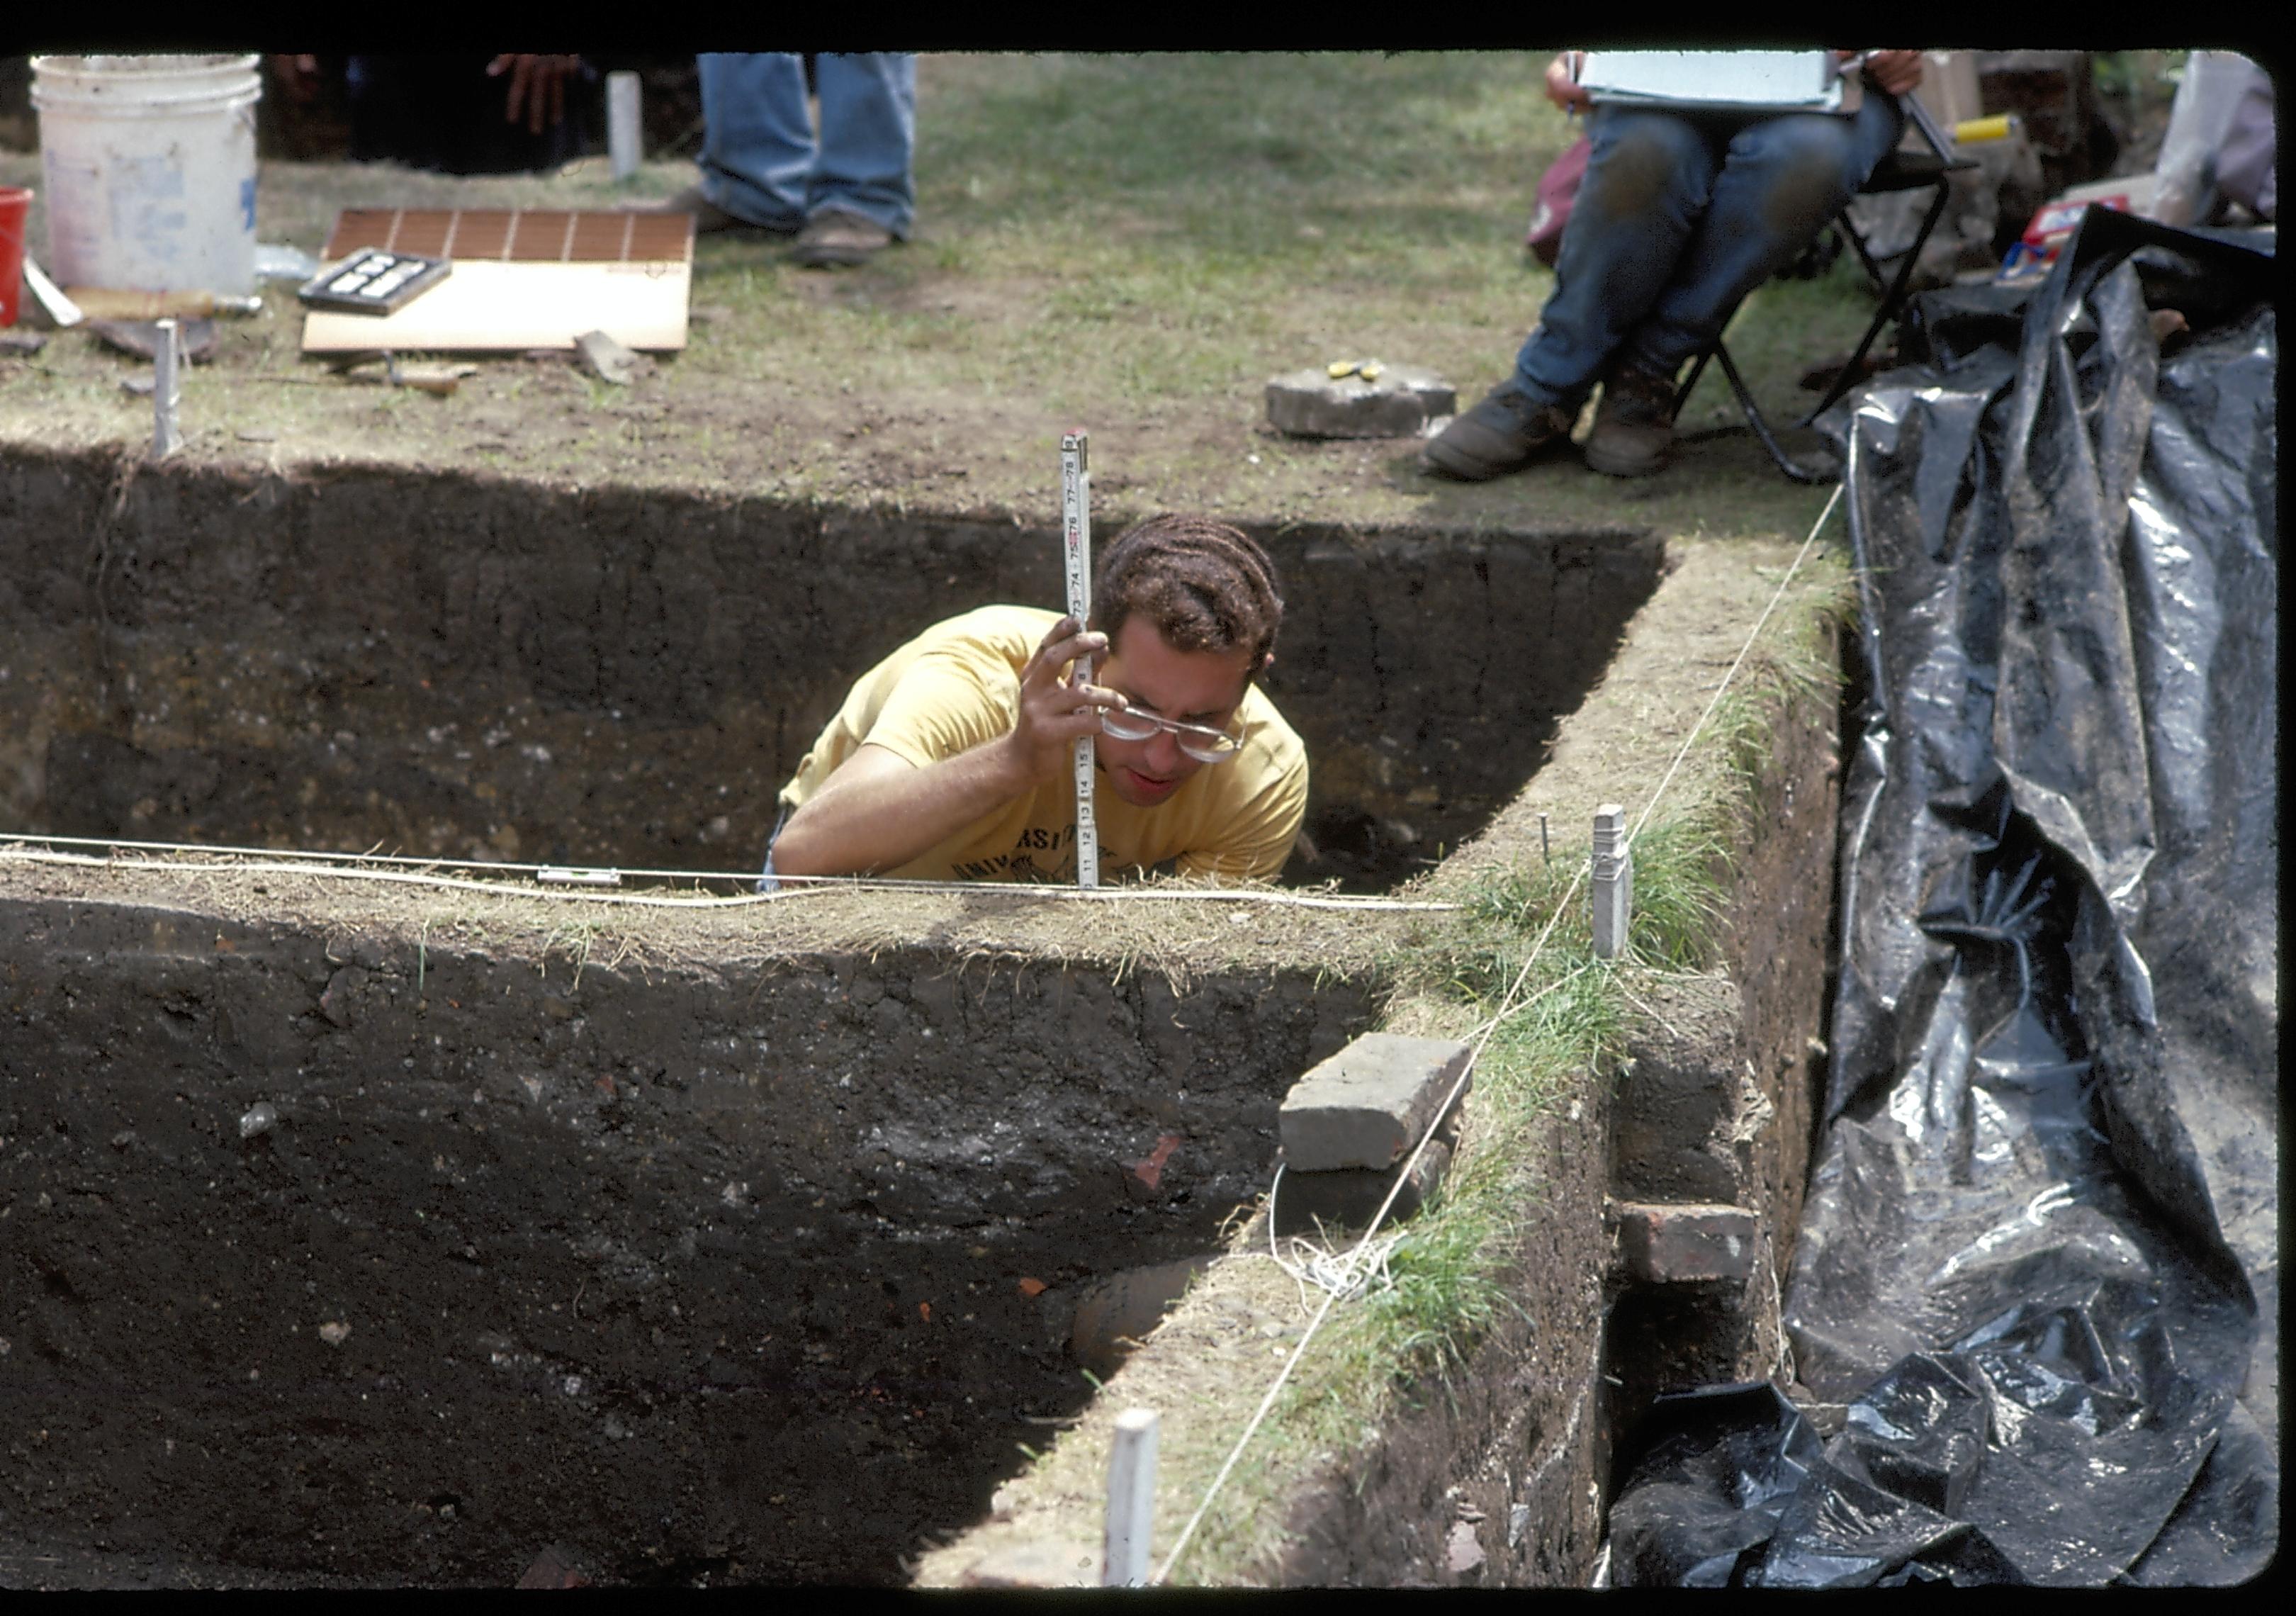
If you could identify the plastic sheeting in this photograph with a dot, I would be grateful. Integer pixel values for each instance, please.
(2038, 1260)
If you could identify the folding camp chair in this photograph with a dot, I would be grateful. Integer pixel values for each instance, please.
(1901, 170)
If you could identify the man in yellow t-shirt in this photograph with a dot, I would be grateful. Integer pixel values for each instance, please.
(950, 759)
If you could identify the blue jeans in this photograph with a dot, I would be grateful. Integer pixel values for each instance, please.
(759, 159)
(1680, 215)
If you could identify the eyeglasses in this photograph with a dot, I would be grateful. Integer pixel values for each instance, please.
(1204, 745)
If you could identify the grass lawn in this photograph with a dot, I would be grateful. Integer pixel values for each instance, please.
(1133, 244)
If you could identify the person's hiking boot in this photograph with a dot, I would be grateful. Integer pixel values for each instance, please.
(1634, 425)
(833, 239)
(709, 217)
(1503, 433)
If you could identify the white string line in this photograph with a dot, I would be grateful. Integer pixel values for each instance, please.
(1316, 1266)
(492, 889)
(1332, 1268)
(1506, 1008)
(1776, 596)
(1558, 981)
(26, 848)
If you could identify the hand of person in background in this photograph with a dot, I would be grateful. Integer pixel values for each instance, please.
(537, 84)
(1561, 83)
(1897, 72)
(298, 76)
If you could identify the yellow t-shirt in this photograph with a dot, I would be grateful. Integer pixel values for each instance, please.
(958, 684)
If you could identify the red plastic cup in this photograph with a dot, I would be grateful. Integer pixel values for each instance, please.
(15, 207)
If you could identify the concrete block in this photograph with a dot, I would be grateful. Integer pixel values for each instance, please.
(1682, 1244)
(1399, 403)
(1345, 1198)
(1369, 1103)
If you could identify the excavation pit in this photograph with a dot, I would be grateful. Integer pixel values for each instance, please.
(742, 1240)
(444, 666)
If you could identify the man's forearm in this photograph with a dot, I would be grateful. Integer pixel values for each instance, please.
(887, 811)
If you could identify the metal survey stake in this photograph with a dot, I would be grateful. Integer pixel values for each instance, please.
(1075, 531)
(166, 392)
(624, 145)
(1131, 1500)
(1612, 890)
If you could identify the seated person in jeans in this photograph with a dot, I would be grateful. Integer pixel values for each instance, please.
(1681, 214)
(952, 757)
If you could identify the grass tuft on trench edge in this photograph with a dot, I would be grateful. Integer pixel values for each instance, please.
(1566, 1027)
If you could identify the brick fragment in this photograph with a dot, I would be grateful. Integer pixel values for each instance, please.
(1367, 1105)
(554, 1568)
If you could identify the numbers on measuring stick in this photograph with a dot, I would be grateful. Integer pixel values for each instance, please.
(1075, 536)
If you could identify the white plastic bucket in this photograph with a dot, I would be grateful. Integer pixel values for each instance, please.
(150, 167)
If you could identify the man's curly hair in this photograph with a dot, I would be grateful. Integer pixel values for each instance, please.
(1203, 584)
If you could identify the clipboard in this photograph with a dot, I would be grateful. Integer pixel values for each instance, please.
(1750, 81)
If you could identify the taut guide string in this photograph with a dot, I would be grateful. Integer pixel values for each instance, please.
(1364, 1262)
(22, 847)
(1076, 547)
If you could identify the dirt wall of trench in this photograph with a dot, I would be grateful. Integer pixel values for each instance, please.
(706, 1266)
(464, 666)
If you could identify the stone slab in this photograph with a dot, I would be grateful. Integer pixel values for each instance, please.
(1686, 1244)
(1399, 403)
(1347, 1197)
(1367, 1105)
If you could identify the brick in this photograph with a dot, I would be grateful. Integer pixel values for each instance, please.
(1345, 1198)
(1400, 403)
(1368, 1104)
(1685, 1242)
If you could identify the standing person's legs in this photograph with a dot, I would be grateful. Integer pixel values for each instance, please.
(758, 147)
(868, 134)
(861, 198)
(1647, 176)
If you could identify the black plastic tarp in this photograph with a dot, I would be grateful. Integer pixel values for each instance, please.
(2038, 1262)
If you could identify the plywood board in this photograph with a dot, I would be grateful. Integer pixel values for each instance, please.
(523, 278)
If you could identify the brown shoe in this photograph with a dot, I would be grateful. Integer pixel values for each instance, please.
(709, 217)
(1503, 433)
(833, 238)
(1634, 425)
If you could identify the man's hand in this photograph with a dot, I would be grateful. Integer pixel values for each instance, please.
(537, 84)
(1055, 712)
(877, 811)
(1897, 72)
(1561, 87)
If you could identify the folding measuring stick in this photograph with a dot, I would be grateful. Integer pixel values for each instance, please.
(1075, 528)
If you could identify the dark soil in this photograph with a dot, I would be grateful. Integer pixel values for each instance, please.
(397, 1253)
